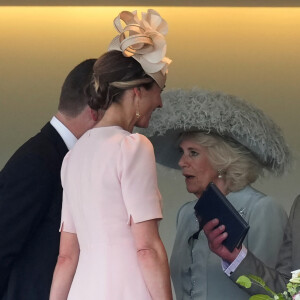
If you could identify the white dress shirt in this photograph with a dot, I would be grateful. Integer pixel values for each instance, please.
(68, 137)
(230, 268)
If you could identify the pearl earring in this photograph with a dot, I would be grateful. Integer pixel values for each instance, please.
(220, 173)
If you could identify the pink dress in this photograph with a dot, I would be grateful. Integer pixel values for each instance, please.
(107, 177)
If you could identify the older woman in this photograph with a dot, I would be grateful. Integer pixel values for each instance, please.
(224, 140)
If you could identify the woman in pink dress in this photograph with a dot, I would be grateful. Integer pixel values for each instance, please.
(110, 246)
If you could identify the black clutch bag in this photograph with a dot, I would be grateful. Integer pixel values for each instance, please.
(213, 204)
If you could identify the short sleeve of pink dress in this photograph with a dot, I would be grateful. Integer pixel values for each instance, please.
(138, 179)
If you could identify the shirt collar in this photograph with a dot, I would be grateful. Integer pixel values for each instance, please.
(68, 137)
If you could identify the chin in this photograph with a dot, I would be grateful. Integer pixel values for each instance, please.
(142, 124)
(190, 190)
(194, 191)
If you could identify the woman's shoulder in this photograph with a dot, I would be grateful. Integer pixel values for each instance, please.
(118, 135)
(252, 200)
(249, 195)
(137, 141)
(186, 210)
(186, 217)
(139, 138)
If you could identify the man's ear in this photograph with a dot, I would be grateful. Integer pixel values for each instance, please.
(94, 114)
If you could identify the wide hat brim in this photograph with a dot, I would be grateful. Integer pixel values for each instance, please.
(218, 113)
(166, 149)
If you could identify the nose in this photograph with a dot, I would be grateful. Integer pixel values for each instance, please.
(160, 105)
(182, 161)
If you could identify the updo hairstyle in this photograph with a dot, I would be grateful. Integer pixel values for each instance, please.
(113, 74)
(239, 166)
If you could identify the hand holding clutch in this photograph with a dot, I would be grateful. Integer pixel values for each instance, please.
(213, 204)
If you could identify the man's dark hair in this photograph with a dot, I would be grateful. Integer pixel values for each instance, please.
(75, 92)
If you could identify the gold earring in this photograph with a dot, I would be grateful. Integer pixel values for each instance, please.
(137, 113)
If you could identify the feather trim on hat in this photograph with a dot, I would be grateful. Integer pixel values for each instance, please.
(226, 115)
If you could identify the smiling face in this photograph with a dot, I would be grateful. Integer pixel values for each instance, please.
(150, 100)
(196, 167)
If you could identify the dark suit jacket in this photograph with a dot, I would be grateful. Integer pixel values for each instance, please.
(288, 259)
(30, 211)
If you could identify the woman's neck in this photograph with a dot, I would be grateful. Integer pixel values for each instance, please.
(115, 115)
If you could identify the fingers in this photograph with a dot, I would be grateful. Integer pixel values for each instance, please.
(212, 231)
(215, 236)
(210, 225)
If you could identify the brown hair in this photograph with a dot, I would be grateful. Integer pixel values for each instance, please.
(113, 74)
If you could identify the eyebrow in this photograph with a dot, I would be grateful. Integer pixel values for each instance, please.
(189, 148)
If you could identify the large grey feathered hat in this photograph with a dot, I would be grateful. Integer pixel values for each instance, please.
(215, 112)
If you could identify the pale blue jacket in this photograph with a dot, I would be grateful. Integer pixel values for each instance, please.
(197, 272)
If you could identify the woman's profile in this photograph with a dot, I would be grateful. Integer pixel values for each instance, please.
(110, 245)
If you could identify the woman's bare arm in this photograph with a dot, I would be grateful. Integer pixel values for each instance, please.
(65, 267)
(153, 259)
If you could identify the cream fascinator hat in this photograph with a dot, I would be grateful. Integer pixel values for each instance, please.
(144, 40)
(218, 113)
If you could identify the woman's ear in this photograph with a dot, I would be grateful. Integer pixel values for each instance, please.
(137, 91)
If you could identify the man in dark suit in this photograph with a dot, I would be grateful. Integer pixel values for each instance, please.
(31, 194)
(288, 259)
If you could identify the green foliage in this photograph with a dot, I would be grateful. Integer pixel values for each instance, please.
(260, 297)
(257, 280)
(293, 288)
(244, 281)
(247, 281)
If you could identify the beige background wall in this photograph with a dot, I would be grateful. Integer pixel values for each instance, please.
(250, 52)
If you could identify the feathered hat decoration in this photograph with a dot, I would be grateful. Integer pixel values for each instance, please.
(144, 40)
(225, 115)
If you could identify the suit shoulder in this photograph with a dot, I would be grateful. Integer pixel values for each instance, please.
(38, 150)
